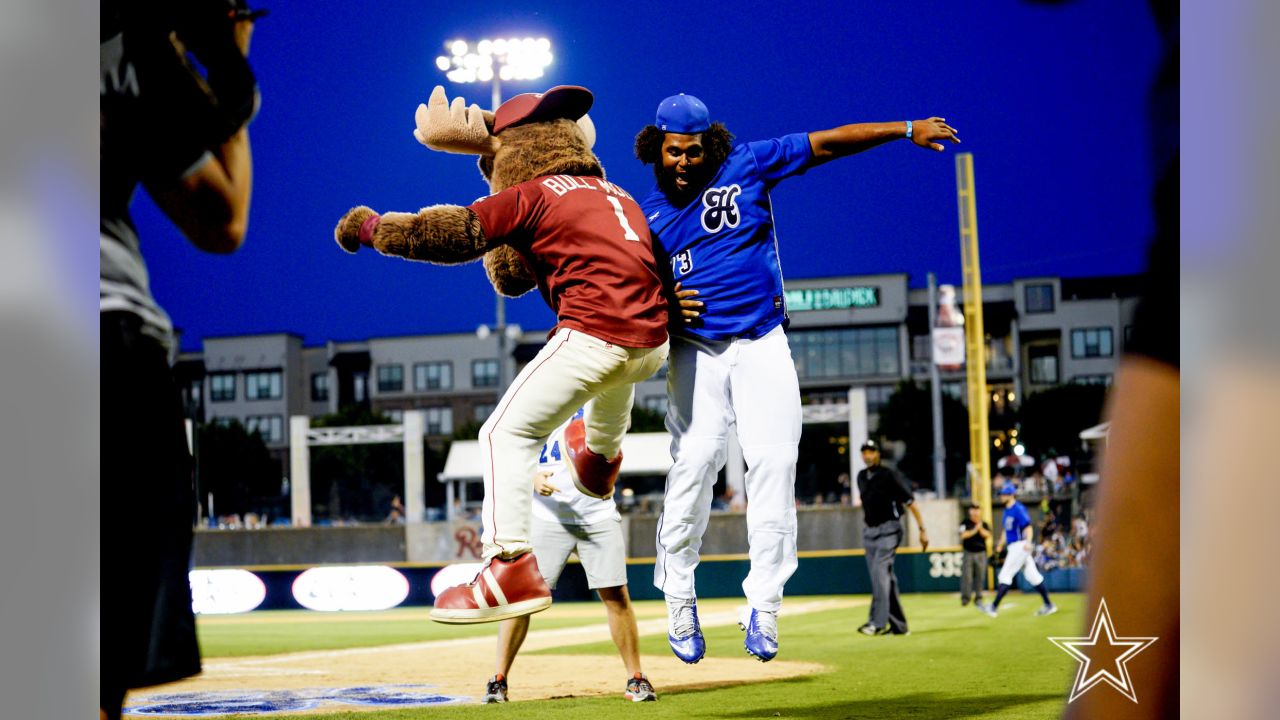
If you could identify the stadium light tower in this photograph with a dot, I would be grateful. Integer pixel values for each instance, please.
(495, 61)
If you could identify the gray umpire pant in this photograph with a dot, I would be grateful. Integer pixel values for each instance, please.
(973, 575)
(881, 542)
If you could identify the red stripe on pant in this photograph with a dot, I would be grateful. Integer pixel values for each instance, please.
(492, 475)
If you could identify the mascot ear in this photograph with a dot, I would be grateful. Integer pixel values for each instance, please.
(508, 272)
(589, 129)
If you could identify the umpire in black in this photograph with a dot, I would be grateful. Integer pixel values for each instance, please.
(884, 495)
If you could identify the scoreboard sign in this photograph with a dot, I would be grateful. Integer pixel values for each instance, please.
(865, 296)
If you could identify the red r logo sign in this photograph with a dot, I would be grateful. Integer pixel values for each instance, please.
(468, 542)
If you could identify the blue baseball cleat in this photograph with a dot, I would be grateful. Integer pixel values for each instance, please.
(683, 630)
(762, 633)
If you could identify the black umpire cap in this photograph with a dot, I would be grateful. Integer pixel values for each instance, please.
(871, 445)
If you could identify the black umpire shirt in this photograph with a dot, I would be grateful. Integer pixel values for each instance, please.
(884, 494)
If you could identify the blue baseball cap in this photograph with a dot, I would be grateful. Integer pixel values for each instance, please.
(684, 114)
(1008, 489)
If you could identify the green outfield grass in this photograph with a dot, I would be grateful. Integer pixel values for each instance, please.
(957, 663)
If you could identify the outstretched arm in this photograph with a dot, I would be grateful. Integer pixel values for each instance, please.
(851, 139)
(441, 234)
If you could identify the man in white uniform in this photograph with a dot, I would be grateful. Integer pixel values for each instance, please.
(731, 371)
(564, 520)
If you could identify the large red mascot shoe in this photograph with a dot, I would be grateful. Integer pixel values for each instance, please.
(504, 589)
(591, 472)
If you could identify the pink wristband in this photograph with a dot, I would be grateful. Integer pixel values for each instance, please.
(368, 227)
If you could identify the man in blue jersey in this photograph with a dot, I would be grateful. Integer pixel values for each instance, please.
(731, 367)
(1017, 536)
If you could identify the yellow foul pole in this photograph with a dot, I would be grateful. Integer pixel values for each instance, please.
(974, 339)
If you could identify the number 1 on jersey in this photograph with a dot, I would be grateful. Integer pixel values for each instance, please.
(627, 232)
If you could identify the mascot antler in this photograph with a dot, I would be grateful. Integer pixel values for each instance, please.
(454, 127)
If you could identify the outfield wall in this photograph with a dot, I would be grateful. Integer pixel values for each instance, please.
(818, 573)
(819, 529)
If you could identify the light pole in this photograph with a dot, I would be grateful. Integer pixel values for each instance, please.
(494, 61)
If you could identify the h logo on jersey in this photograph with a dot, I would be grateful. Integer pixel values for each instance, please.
(682, 263)
(720, 208)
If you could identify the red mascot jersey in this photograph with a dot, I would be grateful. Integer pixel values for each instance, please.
(587, 243)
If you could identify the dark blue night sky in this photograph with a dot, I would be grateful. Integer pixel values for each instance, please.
(1052, 101)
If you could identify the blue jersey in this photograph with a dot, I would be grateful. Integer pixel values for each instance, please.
(723, 244)
(1015, 519)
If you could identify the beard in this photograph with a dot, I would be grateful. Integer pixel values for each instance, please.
(681, 194)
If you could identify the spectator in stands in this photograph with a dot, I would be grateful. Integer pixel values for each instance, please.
(396, 516)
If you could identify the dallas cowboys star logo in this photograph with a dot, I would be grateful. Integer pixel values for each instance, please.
(1103, 655)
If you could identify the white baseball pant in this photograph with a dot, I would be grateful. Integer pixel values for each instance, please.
(572, 370)
(1018, 558)
(713, 387)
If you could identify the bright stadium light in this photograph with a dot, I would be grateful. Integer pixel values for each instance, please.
(495, 60)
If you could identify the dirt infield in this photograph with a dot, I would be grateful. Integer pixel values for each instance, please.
(458, 668)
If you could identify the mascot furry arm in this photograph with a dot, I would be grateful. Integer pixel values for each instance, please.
(441, 234)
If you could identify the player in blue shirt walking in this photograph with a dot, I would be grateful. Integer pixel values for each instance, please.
(731, 368)
(1017, 536)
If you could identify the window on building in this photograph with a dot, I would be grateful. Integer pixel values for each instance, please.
(390, 378)
(847, 352)
(439, 421)
(877, 397)
(269, 427)
(1091, 342)
(484, 373)
(319, 387)
(224, 421)
(395, 415)
(360, 386)
(1104, 380)
(222, 387)
(1042, 361)
(922, 348)
(656, 403)
(433, 376)
(265, 385)
(1039, 298)
(482, 411)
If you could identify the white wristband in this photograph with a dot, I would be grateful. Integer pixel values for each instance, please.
(908, 129)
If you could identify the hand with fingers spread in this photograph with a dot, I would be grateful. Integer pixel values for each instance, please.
(927, 133)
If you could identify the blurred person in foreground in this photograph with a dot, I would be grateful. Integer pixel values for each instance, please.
(1133, 551)
(176, 96)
